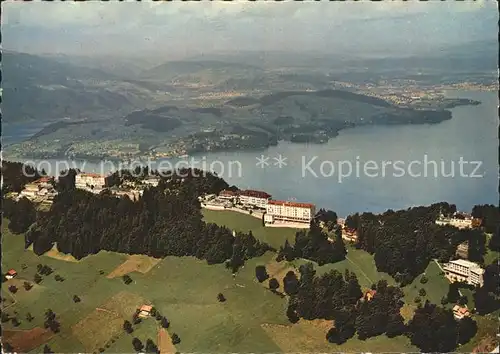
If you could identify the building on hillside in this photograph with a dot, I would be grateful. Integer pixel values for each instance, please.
(349, 234)
(207, 198)
(459, 220)
(133, 193)
(476, 222)
(227, 195)
(40, 188)
(460, 312)
(464, 271)
(11, 274)
(370, 294)
(30, 191)
(91, 181)
(145, 311)
(289, 212)
(463, 250)
(152, 181)
(253, 198)
(44, 182)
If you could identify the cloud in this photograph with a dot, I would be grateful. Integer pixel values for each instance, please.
(170, 27)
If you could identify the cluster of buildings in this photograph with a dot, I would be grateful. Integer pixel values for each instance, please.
(462, 270)
(96, 183)
(459, 220)
(41, 191)
(274, 211)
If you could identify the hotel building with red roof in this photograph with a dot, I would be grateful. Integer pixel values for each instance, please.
(258, 199)
(289, 212)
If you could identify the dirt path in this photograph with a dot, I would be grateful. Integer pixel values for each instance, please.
(26, 340)
(165, 343)
(363, 273)
(106, 310)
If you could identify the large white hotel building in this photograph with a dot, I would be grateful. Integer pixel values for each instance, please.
(464, 271)
(92, 181)
(289, 212)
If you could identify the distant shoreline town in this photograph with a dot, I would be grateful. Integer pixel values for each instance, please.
(428, 104)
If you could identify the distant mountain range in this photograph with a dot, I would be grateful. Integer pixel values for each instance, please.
(52, 88)
(37, 88)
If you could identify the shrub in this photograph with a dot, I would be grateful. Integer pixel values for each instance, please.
(127, 279)
(274, 284)
(175, 339)
(13, 289)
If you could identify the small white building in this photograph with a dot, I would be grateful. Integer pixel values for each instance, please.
(460, 312)
(30, 191)
(152, 181)
(11, 274)
(145, 311)
(227, 195)
(254, 198)
(464, 271)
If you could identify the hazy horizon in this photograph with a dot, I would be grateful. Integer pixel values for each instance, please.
(176, 30)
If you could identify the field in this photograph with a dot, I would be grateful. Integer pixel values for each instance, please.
(274, 236)
(54, 253)
(491, 256)
(309, 336)
(26, 340)
(134, 263)
(184, 289)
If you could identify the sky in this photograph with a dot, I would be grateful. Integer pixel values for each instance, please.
(182, 29)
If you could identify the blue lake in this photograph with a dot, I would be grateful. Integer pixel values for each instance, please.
(454, 161)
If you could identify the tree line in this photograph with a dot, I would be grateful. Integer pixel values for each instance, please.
(403, 242)
(165, 221)
(314, 245)
(15, 175)
(337, 297)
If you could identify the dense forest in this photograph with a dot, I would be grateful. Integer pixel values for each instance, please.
(403, 242)
(16, 174)
(166, 220)
(338, 297)
(314, 245)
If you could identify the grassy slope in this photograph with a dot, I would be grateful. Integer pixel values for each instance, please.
(185, 290)
(274, 236)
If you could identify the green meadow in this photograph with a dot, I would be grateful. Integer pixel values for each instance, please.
(184, 289)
